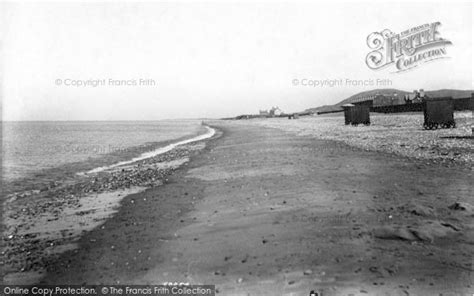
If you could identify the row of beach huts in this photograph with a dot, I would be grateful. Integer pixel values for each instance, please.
(438, 111)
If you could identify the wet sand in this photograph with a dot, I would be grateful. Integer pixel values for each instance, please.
(42, 224)
(261, 211)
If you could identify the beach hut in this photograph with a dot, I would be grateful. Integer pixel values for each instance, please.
(361, 114)
(356, 114)
(438, 113)
(348, 113)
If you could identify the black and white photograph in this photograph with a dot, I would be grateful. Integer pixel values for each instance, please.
(317, 148)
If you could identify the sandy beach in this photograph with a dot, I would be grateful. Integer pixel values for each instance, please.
(153, 148)
(263, 211)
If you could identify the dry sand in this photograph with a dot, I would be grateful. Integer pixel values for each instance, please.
(261, 211)
(398, 133)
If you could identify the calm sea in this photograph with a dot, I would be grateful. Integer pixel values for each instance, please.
(32, 149)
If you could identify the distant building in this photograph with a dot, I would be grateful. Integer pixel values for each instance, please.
(275, 111)
(386, 99)
(415, 96)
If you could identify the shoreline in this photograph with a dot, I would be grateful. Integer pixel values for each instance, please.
(253, 213)
(158, 151)
(48, 178)
(40, 226)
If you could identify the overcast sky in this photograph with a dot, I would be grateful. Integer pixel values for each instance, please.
(210, 59)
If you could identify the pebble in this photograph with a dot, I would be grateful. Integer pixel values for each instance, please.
(402, 134)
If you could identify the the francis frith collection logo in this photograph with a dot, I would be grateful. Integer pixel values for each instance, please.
(406, 50)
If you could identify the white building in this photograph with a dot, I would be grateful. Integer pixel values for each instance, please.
(275, 111)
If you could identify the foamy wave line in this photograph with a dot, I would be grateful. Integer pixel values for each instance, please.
(210, 132)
